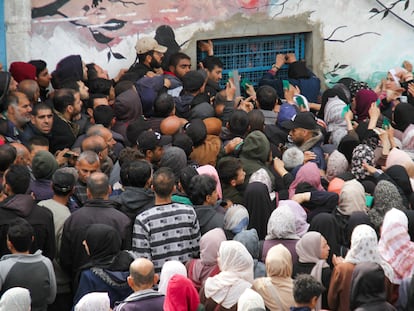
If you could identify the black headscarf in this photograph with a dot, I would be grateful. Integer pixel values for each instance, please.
(356, 219)
(367, 285)
(326, 224)
(400, 178)
(104, 244)
(259, 206)
(347, 145)
(403, 116)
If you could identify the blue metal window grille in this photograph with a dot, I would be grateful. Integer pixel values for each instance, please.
(253, 56)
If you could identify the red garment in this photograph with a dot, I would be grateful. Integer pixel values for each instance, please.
(181, 295)
(22, 71)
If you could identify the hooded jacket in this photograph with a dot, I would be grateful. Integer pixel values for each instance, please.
(255, 154)
(41, 219)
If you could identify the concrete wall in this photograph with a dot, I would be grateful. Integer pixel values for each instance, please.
(362, 39)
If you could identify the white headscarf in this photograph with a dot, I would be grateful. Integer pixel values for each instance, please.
(236, 265)
(364, 248)
(15, 299)
(94, 302)
(250, 300)
(169, 269)
(281, 224)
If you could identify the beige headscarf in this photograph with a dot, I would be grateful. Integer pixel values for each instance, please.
(308, 249)
(352, 198)
(277, 288)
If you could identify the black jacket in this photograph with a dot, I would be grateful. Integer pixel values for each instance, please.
(23, 205)
(95, 211)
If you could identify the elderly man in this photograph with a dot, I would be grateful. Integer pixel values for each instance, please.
(18, 115)
(142, 278)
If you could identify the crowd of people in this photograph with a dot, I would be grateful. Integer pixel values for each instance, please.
(161, 190)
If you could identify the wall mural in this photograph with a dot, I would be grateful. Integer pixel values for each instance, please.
(105, 31)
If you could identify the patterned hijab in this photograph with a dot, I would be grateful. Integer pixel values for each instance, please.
(386, 197)
(395, 246)
(364, 248)
(362, 153)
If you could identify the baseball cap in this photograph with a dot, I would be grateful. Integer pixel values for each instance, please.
(304, 120)
(63, 181)
(148, 140)
(144, 45)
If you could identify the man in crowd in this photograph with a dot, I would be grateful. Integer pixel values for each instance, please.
(142, 278)
(167, 231)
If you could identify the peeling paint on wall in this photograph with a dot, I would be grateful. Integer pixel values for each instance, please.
(358, 37)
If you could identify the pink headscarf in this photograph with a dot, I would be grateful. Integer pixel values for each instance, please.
(211, 171)
(309, 173)
(209, 246)
(395, 246)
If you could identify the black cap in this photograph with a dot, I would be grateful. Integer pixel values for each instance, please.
(63, 181)
(305, 120)
(148, 140)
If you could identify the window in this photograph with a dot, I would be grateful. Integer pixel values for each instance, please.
(253, 56)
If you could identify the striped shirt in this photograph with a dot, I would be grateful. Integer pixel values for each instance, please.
(166, 232)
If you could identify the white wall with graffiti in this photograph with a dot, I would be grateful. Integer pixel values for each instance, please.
(362, 39)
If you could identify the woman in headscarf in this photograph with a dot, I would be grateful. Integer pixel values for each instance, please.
(250, 240)
(364, 248)
(336, 124)
(236, 220)
(250, 300)
(222, 291)
(386, 197)
(395, 245)
(16, 299)
(351, 199)
(327, 225)
(308, 173)
(108, 267)
(181, 295)
(277, 288)
(260, 207)
(400, 178)
(206, 266)
(286, 225)
(169, 269)
(363, 100)
(337, 164)
(97, 301)
(313, 250)
(367, 288)
(361, 154)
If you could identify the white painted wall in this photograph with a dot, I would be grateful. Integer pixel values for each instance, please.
(386, 44)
